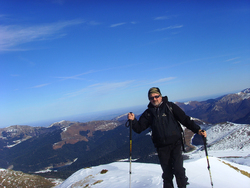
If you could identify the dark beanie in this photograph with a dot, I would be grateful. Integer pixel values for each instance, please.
(154, 90)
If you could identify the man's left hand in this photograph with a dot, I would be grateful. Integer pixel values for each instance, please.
(202, 133)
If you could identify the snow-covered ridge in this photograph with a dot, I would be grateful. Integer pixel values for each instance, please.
(187, 103)
(228, 135)
(107, 126)
(245, 94)
(246, 90)
(62, 124)
(116, 175)
(56, 123)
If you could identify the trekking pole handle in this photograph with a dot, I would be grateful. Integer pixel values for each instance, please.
(129, 122)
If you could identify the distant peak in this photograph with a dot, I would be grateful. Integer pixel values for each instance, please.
(62, 123)
(246, 90)
(244, 94)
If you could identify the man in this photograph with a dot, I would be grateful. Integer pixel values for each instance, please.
(164, 118)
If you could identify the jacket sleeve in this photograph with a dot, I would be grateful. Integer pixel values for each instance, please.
(143, 123)
(184, 119)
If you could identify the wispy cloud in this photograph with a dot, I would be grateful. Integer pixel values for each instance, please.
(236, 62)
(162, 80)
(118, 24)
(101, 88)
(94, 23)
(170, 27)
(3, 16)
(162, 18)
(109, 87)
(233, 59)
(42, 85)
(14, 35)
(77, 77)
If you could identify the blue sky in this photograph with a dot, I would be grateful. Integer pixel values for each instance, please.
(61, 57)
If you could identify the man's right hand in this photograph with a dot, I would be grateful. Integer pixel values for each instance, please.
(131, 116)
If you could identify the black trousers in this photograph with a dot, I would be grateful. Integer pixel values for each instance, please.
(171, 160)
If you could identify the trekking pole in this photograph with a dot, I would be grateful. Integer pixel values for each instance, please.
(130, 148)
(208, 165)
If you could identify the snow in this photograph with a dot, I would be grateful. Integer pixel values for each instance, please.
(56, 123)
(107, 126)
(187, 103)
(18, 141)
(43, 171)
(245, 94)
(149, 175)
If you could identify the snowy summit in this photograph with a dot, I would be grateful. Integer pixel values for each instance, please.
(116, 175)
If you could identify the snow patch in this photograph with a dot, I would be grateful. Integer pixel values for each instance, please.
(187, 103)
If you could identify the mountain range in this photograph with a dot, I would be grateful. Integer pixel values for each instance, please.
(232, 107)
(65, 147)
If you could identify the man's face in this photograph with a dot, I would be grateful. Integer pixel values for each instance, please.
(155, 99)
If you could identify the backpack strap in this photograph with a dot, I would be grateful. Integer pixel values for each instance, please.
(182, 132)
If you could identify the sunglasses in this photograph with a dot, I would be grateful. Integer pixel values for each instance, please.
(152, 98)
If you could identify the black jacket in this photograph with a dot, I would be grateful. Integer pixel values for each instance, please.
(164, 122)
